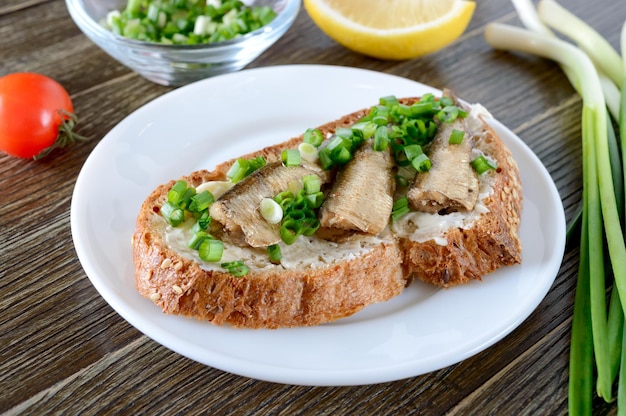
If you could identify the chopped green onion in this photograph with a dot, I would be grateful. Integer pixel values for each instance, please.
(291, 157)
(175, 194)
(271, 211)
(388, 101)
(325, 160)
(313, 137)
(244, 167)
(400, 208)
(201, 201)
(211, 250)
(481, 164)
(315, 200)
(308, 152)
(412, 151)
(311, 184)
(446, 101)
(274, 253)
(448, 114)
(341, 155)
(237, 268)
(367, 127)
(204, 220)
(421, 163)
(456, 137)
(381, 138)
(187, 21)
(238, 170)
(290, 231)
(422, 109)
(197, 239)
(174, 215)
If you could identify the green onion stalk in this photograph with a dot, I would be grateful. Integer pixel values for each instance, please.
(600, 213)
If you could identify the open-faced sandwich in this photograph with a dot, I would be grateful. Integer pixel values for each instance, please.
(348, 214)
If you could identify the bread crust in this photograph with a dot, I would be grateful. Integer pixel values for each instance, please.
(279, 297)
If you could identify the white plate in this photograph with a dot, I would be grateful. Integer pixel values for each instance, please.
(202, 124)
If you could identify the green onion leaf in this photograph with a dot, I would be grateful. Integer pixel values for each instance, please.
(311, 184)
(381, 138)
(201, 201)
(274, 253)
(456, 137)
(481, 164)
(421, 163)
(174, 215)
(412, 151)
(400, 208)
(238, 170)
(448, 114)
(237, 268)
(290, 231)
(211, 250)
(271, 211)
(291, 157)
(314, 137)
(175, 194)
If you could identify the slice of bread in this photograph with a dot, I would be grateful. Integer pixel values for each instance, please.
(320, 281)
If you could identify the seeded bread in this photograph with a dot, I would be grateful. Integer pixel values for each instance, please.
(277, 297)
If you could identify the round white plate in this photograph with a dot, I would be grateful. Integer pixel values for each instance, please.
(202, 124)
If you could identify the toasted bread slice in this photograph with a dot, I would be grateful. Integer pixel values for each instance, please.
(343, 277)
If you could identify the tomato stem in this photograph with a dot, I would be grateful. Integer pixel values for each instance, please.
(66, 134)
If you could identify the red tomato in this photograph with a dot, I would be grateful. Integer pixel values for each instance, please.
(33, 109)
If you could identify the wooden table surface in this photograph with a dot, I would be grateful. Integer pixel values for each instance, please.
(64, 350)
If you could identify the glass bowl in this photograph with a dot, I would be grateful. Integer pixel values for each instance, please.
(177, 65)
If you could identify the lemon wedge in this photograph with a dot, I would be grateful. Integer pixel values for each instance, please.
(392, 29)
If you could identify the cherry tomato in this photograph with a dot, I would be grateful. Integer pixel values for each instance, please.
(36, 115)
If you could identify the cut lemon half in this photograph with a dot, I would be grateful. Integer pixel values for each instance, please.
(392, 29)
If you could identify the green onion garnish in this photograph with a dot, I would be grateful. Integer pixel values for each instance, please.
(448, 114)
(311, 184)
(201, 201)
(211, 250)
(238, 170)
(176, 193)
(308, 152)
(412, 151)
(274, 253)
(289, 231)
(388, 101)
(291, 157)
(174, 215)
(237, 268)
(381, 138)
(197, 239)
(421, 163)
(481, 164)
(400, 208)
(456, 137)
(244, 167)
(313, 136)
(271, 211)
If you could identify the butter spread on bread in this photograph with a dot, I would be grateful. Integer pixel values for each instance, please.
(356, 258)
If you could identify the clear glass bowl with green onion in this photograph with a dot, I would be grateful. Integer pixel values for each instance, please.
(170, 45)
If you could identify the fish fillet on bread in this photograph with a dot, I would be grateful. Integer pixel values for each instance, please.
(340, 269)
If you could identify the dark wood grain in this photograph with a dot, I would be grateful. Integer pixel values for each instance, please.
(65, 351)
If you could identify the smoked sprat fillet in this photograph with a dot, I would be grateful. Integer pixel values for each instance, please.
(322, 278)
